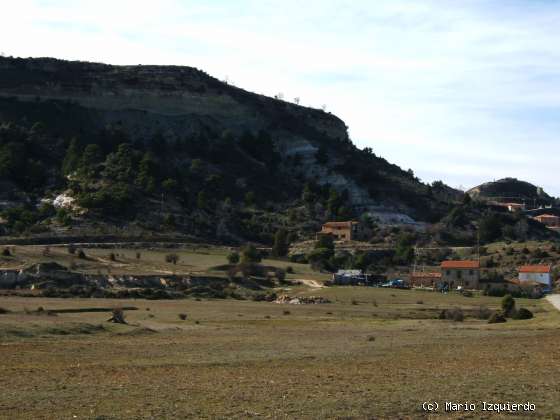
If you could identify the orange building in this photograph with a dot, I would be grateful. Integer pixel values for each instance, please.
(342, 231)
(548, 220)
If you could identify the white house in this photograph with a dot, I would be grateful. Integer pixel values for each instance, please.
(349, 277)
(538, 273)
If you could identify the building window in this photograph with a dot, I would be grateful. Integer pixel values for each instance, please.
(470, 273)
(447, 272)
(459, 274)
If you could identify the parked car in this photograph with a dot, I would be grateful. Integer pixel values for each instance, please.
(396, 284)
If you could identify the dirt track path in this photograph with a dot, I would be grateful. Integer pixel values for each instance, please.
(555, 300)
(311, 283)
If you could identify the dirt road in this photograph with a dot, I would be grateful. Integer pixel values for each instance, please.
(311, 283)
(555, 300)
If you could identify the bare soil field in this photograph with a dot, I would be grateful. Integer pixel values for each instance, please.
(371, 353)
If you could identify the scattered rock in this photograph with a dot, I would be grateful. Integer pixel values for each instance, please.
(301, 300)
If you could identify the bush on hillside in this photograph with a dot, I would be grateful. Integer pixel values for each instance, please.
(319, 258)
(250, 254)
(522, 313)
(281, 245)
(455, 314)
(490, 227)
(325, 242)
(483, 313)
(508, 305)
(539, 253)
(497, 318)
(233, 257)
(172, 258)
(299, 258)
(281, 274)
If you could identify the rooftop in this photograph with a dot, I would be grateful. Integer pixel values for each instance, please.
(340, 224)
(539, 268)
(460, 264)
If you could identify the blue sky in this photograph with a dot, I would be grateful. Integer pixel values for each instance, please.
(462, 91)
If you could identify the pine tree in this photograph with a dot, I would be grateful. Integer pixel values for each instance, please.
(333, 203)
(89, 161)
(146, 173)
(250, 254)
(119, 165)
(250, 199)
(72, 157)
(169, 185)
(201, 200)
(281, 246)
(307, 196)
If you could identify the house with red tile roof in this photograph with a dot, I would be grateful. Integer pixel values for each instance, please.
(464, 273)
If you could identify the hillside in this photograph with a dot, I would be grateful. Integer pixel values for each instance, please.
(96, 149)
(510, 189)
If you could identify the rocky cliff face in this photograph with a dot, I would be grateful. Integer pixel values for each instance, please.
(176, 102)
(146, 99)
(182, 105)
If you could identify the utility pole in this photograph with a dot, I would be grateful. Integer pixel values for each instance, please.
(415, 259)
(478, 246)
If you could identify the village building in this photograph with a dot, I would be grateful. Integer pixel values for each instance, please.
(548, 220)
(349, 277)
(510, 206)
(541, 274)
(342, 231)
(515, 207)
(460, 273)
(425, 279)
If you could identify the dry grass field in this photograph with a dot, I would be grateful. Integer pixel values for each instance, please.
(194, 259)
(371, 353)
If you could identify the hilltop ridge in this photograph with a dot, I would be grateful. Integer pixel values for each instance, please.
(510, 189)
